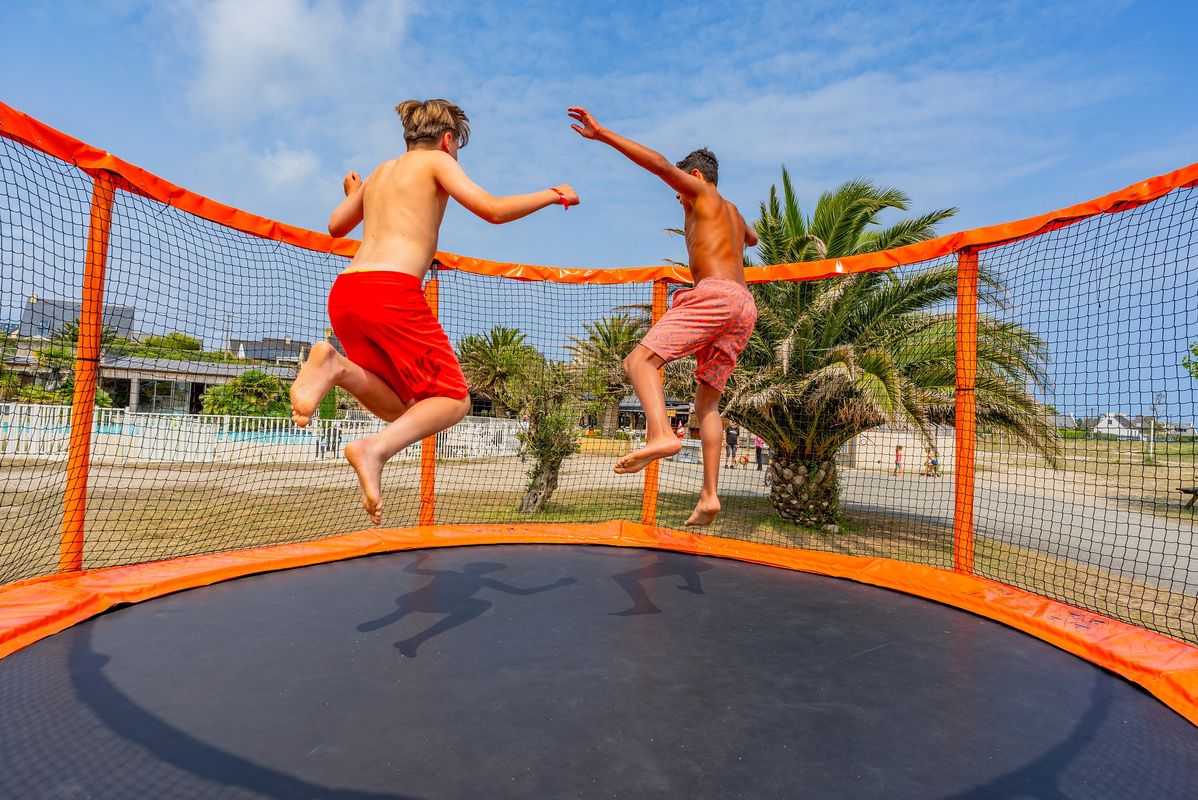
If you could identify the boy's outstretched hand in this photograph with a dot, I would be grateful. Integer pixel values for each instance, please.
(566, 192)
(589, 129)
(351, 183)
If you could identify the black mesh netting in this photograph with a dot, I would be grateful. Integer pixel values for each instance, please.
(1086, 408)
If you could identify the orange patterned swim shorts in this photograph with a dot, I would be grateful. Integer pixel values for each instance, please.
(712, 322)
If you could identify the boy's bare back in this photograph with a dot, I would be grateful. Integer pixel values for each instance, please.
(402, 203)
(402, 207)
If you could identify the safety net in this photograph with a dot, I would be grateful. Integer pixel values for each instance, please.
(1015, 403)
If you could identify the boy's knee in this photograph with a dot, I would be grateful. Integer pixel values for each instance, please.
(638, 356)
(463, 408)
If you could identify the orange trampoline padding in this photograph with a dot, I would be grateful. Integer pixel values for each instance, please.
(34, 609)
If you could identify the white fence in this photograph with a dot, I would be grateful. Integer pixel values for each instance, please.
(44, 432)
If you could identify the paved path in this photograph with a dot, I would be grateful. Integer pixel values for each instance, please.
(1057, 513)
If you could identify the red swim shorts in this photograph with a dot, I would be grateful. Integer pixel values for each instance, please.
(712, 322)
(386, 327)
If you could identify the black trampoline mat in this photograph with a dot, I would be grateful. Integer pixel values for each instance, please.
(550, 671)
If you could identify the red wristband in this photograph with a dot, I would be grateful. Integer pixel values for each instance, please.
(562, 195)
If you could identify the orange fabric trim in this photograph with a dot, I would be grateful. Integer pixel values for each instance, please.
(29, 131)
(34, 609)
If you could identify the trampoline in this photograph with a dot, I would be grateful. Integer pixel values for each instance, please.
(570, 671)
(182, 622)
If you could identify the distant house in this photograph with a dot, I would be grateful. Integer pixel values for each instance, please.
(1183, 429)
(285, 350)
(168, 385)
(1118, 425)
(42, 318)
(1062, 420)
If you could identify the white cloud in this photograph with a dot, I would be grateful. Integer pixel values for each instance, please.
(284, 168)
(276, 57)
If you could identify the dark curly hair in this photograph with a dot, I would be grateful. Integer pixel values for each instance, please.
(703, 160)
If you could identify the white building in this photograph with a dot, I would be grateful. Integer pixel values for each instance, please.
(1118, 425)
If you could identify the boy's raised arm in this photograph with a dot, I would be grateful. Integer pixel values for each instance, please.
(347, 215)
(684, 183)
(496, 210)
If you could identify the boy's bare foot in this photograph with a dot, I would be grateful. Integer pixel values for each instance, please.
(637, 460)
(705, 512)
(370, 475)
(316, 377)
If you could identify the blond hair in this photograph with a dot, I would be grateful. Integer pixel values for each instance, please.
(425, 120)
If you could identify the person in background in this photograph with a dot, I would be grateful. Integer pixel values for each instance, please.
(731, 438)
(759, 446)
(898, 460)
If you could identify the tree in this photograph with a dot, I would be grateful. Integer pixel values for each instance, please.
(548, 395)
(57, 358)
(254, 393)
(831, 359)
(1190, 362)
(174, 342)
(493, 360)
(65, 395)
(600, 358)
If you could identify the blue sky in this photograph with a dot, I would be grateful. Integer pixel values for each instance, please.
(1003, 109)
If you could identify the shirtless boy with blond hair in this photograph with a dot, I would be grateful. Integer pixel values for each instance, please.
(398, 361)
(712, 321)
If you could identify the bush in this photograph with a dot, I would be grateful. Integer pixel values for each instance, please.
(1073, 433)
(251, 394)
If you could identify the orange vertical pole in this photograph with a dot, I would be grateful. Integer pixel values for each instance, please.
(87, 357)
(428, 445)
(653, 471)
(966, 411)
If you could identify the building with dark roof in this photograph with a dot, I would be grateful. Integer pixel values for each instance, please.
(285, 349)
(42, 318)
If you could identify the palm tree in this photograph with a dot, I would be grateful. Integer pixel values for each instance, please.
(600, 356)
(493, 360)
(832, 359)
(58, 356)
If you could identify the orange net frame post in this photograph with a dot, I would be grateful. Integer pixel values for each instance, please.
(428, 445)
(966, 410)
(87, 357)
(653, 471)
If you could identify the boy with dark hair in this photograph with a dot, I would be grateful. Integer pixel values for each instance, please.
(398, 361)
(712, 321)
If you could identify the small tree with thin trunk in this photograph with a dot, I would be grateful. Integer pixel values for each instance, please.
(548, 396)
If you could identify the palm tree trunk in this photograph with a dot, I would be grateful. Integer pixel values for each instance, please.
(541, 487)
(805, 491)
(610, 421)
